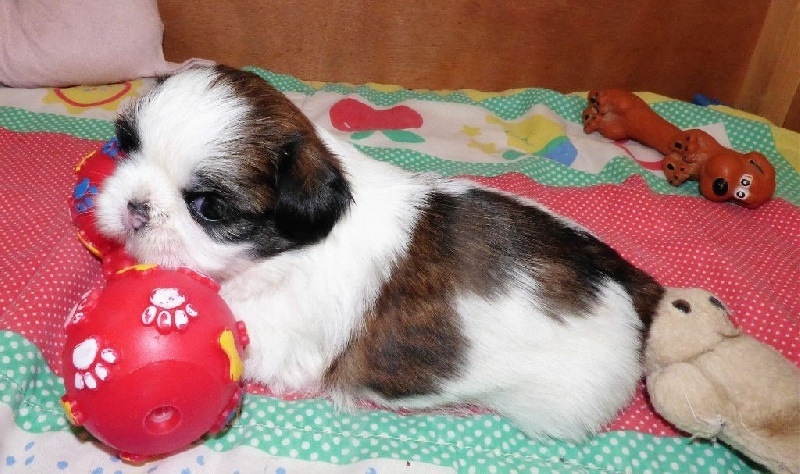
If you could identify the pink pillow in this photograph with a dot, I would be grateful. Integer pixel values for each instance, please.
(56, 43)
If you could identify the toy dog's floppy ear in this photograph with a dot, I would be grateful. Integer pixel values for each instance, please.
(312, 191)
(763, 186)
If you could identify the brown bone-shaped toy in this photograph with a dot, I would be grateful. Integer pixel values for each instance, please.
(723, 174)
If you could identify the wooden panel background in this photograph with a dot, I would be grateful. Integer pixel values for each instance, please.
(672, 47)
(772, 85)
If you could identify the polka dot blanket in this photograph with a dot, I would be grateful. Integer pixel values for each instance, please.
(527, 142)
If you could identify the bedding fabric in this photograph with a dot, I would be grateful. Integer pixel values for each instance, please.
(56, 43)
(526, 141)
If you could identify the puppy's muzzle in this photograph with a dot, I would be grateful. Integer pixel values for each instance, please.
(138, 215)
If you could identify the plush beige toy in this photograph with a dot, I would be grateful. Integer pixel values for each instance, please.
(712, 381)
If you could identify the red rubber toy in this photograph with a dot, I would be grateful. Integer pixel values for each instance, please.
(153, 360)
(90, 173)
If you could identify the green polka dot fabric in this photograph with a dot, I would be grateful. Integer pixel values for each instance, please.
(741, 133)
(312, 431)
(21, 120)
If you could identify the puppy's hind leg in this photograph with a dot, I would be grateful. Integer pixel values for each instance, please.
(541, 419)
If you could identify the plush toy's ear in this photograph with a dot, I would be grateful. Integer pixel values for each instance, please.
(722, 324)
(705, 305)
(312, 192)
(688, 322)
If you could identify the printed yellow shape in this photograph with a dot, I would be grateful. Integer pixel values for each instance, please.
(83, 161)
(384, 87)
(315, 84)
(486, 148)
(139, 267)
(228, 344)
(108, 97)
(67, 406)
(89, 246)
(473, 133)
(788, 144)
(529, 135)
(650, 98)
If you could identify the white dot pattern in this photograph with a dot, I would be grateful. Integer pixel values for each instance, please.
(22, 120)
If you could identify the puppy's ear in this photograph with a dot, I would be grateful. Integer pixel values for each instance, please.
(127, 132)
(312, 192)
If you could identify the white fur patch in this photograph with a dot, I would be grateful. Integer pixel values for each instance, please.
(178, 133)
(554, 378)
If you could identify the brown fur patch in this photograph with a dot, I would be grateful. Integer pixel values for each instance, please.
(476, 243)
(275, 128)
(411, 339)
(783, 422)
(282, 185)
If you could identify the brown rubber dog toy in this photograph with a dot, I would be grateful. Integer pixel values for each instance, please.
(723, 174)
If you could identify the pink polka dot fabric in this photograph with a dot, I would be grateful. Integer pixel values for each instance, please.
(749, 258)
(44, 267)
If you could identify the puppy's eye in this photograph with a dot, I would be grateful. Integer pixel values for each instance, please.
(206, 206)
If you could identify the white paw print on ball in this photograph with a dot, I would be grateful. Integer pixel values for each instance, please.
(77, 314)
(89, 368)
(168, 310)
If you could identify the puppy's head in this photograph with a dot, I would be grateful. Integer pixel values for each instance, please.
(221, 170)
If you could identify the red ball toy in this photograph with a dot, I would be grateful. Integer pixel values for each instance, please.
(153, 360)
(92, 169)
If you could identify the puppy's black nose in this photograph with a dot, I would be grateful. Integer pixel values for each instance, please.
(138, 215)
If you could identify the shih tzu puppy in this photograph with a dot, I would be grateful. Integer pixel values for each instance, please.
(370, 282)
